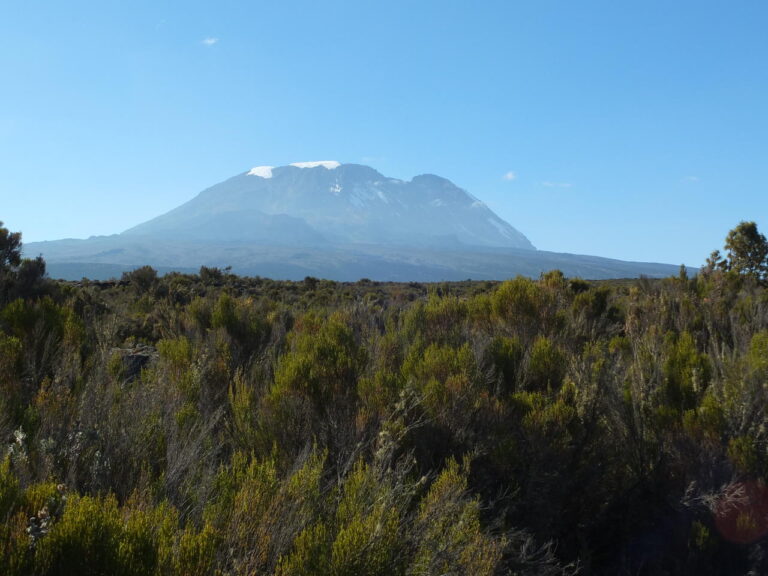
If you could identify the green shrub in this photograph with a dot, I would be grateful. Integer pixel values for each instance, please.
(449, 536)
(546, 366)
(686, 371)
(85, 540)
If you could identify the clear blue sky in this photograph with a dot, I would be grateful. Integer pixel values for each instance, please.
(635, 130)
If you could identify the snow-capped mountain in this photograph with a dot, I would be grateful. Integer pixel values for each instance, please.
(331, 220)
(333, 203)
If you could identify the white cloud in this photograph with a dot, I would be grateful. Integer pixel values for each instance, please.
(210, 41)
(548, 184)
(510, 176)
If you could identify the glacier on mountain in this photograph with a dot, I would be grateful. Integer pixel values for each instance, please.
(261, 171)
(327, 164)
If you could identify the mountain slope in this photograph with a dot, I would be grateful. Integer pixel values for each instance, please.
(343, 204)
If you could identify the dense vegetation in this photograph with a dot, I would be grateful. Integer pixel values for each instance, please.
(202, 424)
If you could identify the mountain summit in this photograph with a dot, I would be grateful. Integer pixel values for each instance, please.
(331, 203)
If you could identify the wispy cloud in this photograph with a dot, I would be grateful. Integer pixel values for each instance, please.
(548, 184)
(210, 41)
(510, 176)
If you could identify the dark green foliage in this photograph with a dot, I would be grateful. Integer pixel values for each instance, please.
(144, 278)
(507, 356)
(546, 365)
(214, 424)
(210, 275)
(19, 277)
(746, 254)
(747, 250)
(10, 248)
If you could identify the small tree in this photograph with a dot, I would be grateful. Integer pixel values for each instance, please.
(19, 277)
(143, 278)
(747, 251)
(10, 249)
(746, 254)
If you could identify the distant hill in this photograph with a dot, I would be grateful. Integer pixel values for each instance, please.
(330, 220)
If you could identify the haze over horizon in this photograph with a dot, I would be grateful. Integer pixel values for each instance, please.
(632, 132)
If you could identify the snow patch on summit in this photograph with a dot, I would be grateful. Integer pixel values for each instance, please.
(261, 171)
(327, 164)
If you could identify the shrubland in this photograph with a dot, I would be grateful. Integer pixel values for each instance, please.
(214, 424)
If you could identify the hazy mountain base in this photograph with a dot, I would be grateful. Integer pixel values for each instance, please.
(105, 257)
